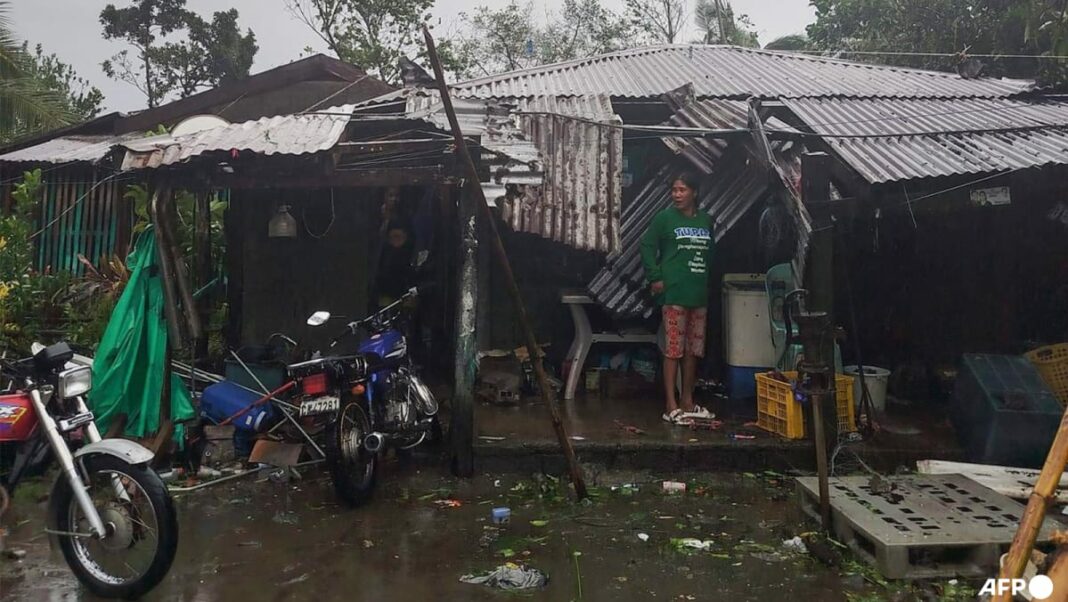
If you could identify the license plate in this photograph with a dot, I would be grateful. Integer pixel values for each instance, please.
(321, 405)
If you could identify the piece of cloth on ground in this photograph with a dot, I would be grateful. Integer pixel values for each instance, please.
(509, 577)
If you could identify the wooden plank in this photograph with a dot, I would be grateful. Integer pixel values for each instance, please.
(1009, 481)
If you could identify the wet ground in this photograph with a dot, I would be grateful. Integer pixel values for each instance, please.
(264, 540)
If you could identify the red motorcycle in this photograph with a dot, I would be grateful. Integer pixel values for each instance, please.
(109, 512)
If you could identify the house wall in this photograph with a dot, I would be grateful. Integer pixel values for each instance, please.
(83, 212)
(275, 284)
(962, 280)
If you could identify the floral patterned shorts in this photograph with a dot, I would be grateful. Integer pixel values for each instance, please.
(684, 331)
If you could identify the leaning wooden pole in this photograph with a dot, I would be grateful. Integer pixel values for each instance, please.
(1035, 514)
(506, 267)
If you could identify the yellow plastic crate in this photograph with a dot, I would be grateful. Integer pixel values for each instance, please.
(778, 411)
(1052, 363)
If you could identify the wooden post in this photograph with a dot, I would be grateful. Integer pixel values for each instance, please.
(462, 423)
(506, 267)
(203, 271)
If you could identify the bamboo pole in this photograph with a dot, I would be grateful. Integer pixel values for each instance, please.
(1058, 568)
(509, 277)
(1037, 504)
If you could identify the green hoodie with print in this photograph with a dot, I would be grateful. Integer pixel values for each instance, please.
(678, 250)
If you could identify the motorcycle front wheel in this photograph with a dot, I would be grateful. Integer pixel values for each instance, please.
(142, 528)
(353, 469)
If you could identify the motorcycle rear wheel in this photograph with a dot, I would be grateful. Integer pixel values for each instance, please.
(145, 520)
(353, 469)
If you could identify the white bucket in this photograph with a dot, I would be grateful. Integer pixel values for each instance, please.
(876, 379)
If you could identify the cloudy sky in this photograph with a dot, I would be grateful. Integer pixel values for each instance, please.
(71, 29)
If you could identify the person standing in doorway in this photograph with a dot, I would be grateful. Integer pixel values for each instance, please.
(676, 252)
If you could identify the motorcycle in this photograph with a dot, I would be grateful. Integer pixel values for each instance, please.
(355, 405)
(392, 407)
(109, 512)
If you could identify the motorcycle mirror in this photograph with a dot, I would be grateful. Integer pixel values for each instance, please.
(318, 318)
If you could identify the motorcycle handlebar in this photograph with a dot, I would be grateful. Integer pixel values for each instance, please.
(352, 327)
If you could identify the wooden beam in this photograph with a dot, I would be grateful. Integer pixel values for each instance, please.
(401, 176)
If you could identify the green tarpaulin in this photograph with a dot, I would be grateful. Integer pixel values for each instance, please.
(128, 367)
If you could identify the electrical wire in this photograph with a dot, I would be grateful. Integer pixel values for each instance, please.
(825, 53)
(73, 205)
(333, 216)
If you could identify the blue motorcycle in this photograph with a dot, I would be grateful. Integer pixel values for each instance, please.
(390, 406)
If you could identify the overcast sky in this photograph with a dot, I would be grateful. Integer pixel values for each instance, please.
(71, 29)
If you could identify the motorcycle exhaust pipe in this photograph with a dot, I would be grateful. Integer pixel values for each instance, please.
(374, 442)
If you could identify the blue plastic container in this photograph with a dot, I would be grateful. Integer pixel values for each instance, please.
(741, 381)
(1003, 412)
(223, 400)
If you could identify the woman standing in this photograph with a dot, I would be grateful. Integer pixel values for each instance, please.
(676, 251)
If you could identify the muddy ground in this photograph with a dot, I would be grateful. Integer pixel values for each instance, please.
(263, 540)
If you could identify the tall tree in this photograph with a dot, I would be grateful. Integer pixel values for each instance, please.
(510, 38)
(660, 20)
(174, 49)
(27, 103)
(371, 34)
(716, 21)
(83, 100)
(1022, 27)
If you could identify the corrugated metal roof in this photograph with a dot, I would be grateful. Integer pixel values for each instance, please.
(68, 149)
(908, 145)
(279, 135)
(731, 72)
(582, 149)
(728, 194)
(571, 148)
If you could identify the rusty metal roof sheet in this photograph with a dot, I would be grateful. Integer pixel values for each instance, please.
(729, 193)
(68, 149)
(279, 135)
(581, 146)
(731, 72)
(904, 139)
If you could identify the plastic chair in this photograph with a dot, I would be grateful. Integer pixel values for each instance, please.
(779, 281)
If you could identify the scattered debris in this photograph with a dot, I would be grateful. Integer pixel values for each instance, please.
(501, 515)
(795, 545)
(768, 556)
(509, 576)
(538, 523)
(629, 429)
(491, 438)
(296, 580)
(705, 424)
(625, 489)
(691, 543)
(448, 503)
(15, 553)
(286, 517)
(367, 544)
(643, 536)
(577, 438)
(741, 437)
(674, 487)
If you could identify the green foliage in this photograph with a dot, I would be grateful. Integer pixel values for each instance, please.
(511, 38)
(83, 100)
(1029, 27)
(27, 103)
(794, 42)
(658, 21)
(372, 34)
(175, 50)
(716, 21)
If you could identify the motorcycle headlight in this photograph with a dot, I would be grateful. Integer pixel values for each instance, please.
(76, 381)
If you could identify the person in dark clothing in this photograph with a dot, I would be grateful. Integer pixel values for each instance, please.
(395, 272)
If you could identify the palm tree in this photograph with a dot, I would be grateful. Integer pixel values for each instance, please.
(26, 105)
